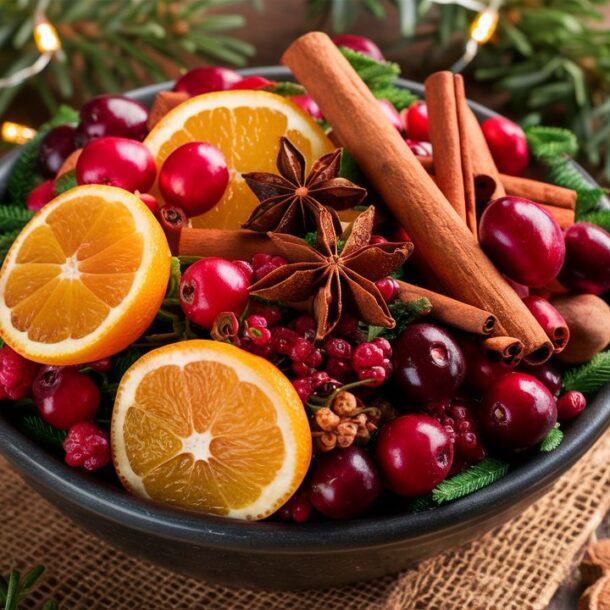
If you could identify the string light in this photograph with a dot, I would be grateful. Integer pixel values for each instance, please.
(14, 133)
(46, 38)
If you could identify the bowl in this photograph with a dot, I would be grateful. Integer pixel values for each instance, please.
(288, 556)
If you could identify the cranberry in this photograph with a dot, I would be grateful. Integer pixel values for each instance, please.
(388, 287)
(304, 387)
(570, 405)
(246, 268)
(194, 177)
(521, 290)
(271, 313)
(204, 80)
(252, 82)
(300, 349)
(551, 321)
(309, 105)
(428, 363)
(65, 397)
(360, 44)
(547, 373)
(149, 200)
(172, 220)
(587, 264)
(415, 119)
(263, 264)
(16, 374)
(100, 366)
(507, 143)
(212, 286)
(523, 240)
(391, 113)
(117, 162)
(87, 445)
(338, 348)
(414, 454)
(112, 115)
(298, 509)
(55, 148)
(481, 372)
(384, 345)
(40, 195)
(339, 368)
(419, 148)
(517, 411)
(304, 326)
(282, 339)
(344, 483)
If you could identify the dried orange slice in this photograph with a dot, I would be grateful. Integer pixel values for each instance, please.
(246, 126)
(84, 278)
(209, 427)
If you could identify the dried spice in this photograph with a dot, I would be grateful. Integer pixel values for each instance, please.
(336, 280)
(291, 202)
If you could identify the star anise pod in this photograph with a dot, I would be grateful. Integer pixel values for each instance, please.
(336, 280)
(290, 202)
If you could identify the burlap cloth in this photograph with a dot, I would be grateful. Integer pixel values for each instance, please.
(518, 566)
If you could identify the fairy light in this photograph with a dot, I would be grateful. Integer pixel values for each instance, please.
(14, 133)
(46, 37)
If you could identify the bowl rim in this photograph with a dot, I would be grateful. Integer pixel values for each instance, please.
(114, 504)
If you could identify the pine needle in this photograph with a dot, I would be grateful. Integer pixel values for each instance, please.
(6, 241)
(398, 97)
(403, 314)
(590, 377)
(42, 432)
(600, 218)
(553, 439)
(474, 478)
(65, 182)
(13, 217)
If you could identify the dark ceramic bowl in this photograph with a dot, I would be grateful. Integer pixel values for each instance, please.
(274, 555)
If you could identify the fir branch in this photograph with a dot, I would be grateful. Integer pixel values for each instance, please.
(550, 142)
(14, 590)
(43, 433)
(123, 360)
(375, 74)
(474, 478)
(13, 217)
(553, 439)
(590, 377)
(600, 218)
(350, 170)
(174, 278)
(398, 97)
(421, 504)
(403, 314)
(286, 88)
(65, 182)
(6, 241)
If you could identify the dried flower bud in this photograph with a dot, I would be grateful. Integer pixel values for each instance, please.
(344, 403)
(226, 326)
(346, 433)
(326, 419)
(324, 441)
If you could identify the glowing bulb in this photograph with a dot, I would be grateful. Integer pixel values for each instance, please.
(484, 26)
(46, 38)
(15, 133)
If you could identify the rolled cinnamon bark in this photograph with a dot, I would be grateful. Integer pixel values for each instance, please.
(437, 230)
(504, 349)
(563, 216)
(449, 311)
(540, 192)
(232, 245)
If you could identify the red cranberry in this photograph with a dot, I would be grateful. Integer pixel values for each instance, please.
(521, 290)
(414, 454)
(55, 148)
(517, 411)
(367, 355)
(415, 119)
(87, 445)
(551, 321)
(246, 268)
(65, 397)
(309, 105)
(570, 405)
(587, 264)
(523, 240)
(252, 83)
(391, 113)
(344, 483)
(481, 372)
(338, 348)
(101, 366)
(271, 313)
(263, 264)
(151, 202)
(40, 195)
(388, 287)
(194, 177)
(547, 373)
(112, 115)
(204, 80)
(298, 509)
(428, 363)
(339, 368)
(507, 143)
(16, 374)
(360, 44)
(421, 149)
(211, 286)
(116, 162)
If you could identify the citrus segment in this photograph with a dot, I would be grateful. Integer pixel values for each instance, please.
(246, 126)
(209, 427)
(84, 278)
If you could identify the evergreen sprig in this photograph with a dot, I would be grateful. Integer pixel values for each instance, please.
(600, 218)
(44, 433)
(590, 377)
(6, 241)
(474, 478)
(553, 439)
(13, 217)
(403, 314)
(14, 590)
(65, 182)
(123, 360)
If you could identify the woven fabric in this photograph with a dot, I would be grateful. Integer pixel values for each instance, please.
(518, 566)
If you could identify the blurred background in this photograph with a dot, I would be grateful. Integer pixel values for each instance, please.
(537, 61)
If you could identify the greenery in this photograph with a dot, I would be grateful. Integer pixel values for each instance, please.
(114, 45)
(553, 439)
(590, 377)
(403, 314)
(65, 182)
(43, 433)
(14, 589)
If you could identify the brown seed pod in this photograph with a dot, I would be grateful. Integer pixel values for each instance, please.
(596, 562)
(588, 319)
(597, 596)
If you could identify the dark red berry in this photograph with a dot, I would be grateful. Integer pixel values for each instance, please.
(388, 287)
(282, 339)
(315, 358)
(100, 366)
(551, 321)
(87, 445)
(309, 105)
(252, 83)
(367, 355)
(376, 374)
(207, 79)
(17, 374)
(301, 369)
(271, 313)
(304, 387)
(300, 349)
(523, 240)
(391, 113)
(55, 148)
(421, 149)
(414, 454)
(304, 326)
(263, 264)
(246, 268)
(428, 363)
(359, 43)
(298, 509)
(172, 220)
(517, 411)
(587, 263)
(338, 348)
(149, 200)
(212, 286)
(481, 372)
(344, 483)
(415, 119)
(65, 397)
(384, 345)
(40, 195)
(547, 373)
(339, 368)
(569, 405)
(507, 143)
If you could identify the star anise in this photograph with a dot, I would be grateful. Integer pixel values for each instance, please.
(336, 280)
(290, 202)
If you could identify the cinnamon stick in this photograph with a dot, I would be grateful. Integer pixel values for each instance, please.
(449, 311)
(232, 245)
(507, 350)
(439, 233)
(164, 102)
(563, 216)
